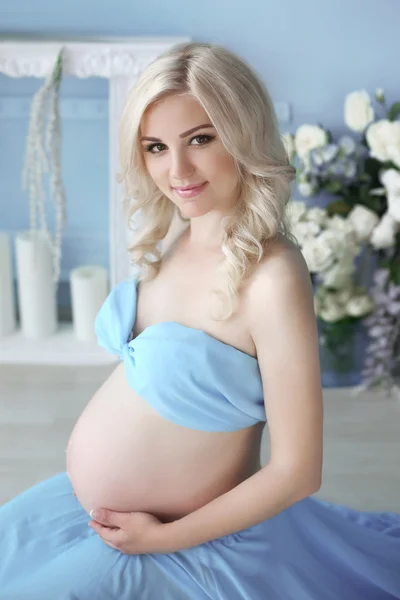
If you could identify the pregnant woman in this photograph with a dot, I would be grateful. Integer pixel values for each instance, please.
(217, 336)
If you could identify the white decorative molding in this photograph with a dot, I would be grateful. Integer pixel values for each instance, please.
(120, 61)
(108, 58)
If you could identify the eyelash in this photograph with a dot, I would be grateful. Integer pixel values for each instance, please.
(208, 139)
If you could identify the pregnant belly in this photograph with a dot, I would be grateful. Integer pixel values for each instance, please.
(124, 456)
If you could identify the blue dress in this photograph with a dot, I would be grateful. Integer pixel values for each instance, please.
(313, 550)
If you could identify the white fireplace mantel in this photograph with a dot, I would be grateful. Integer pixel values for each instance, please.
(120, 60)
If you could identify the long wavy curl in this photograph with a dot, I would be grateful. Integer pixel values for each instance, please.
(242, 112)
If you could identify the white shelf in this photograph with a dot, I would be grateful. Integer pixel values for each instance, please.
(61, 348)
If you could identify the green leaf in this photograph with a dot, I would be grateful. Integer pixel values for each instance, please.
(333, 187)
(394, 111)
(338, 207)
(372, 167)
(395, 273)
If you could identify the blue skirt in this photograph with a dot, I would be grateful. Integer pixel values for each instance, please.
(313, 550)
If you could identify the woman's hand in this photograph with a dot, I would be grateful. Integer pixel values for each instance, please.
(129, 532)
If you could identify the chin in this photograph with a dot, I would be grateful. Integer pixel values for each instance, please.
(196, 207)
(192, 212)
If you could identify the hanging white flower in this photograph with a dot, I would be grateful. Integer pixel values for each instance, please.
(42, 155)
(358, 111)
(309, 137)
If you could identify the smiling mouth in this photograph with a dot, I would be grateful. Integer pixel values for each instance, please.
(190, 192)
(188, 187)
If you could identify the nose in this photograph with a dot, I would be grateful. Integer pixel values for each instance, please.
(181, 167)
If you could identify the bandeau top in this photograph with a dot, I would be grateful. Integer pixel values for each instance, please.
(187, 375)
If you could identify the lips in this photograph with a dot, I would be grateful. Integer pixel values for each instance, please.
(190, 191)
(188, 187)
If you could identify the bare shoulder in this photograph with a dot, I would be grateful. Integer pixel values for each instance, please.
(280, 303)
(282, 270)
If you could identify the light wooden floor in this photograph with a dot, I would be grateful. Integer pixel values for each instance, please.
(40, 405)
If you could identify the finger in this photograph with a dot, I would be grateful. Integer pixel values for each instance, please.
(110, 534)
(108, 517)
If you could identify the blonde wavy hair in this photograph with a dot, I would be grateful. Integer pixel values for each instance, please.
(242, 112)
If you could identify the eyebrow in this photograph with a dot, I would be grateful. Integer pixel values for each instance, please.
(181, 135)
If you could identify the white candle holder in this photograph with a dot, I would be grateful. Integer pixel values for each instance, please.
(89, 288)
(36, 289)
(7, 305)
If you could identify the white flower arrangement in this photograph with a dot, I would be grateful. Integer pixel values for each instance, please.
(330, 245)
(42, 155)
(363, 176)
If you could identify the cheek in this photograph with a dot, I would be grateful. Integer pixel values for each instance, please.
(157, 171)
(223, 169)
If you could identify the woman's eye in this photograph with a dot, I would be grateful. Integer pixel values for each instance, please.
(202, 139)
(150, 148)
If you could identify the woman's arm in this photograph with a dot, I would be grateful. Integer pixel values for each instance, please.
(283, 326)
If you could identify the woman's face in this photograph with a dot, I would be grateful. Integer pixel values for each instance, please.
(181, 150)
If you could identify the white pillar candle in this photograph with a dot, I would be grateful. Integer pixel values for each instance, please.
(7, 306)
(89, 289)
(36, 289)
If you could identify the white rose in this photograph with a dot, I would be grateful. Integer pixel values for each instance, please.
(341, 234)
(391, 180)
(338, 276)
(332, 312)
(383, 236)
(383, 138)
(306, 188)
(304, 231)
(394, 206)
(363, 221)
(296, 209)
(344, 295)
(309, 137)
(339, 224)
(359, 306)
(318, 256)
(358, 111)
(317, 215)
(288, 142)
(394, 152)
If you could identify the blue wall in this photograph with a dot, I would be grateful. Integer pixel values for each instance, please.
(309, 53)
